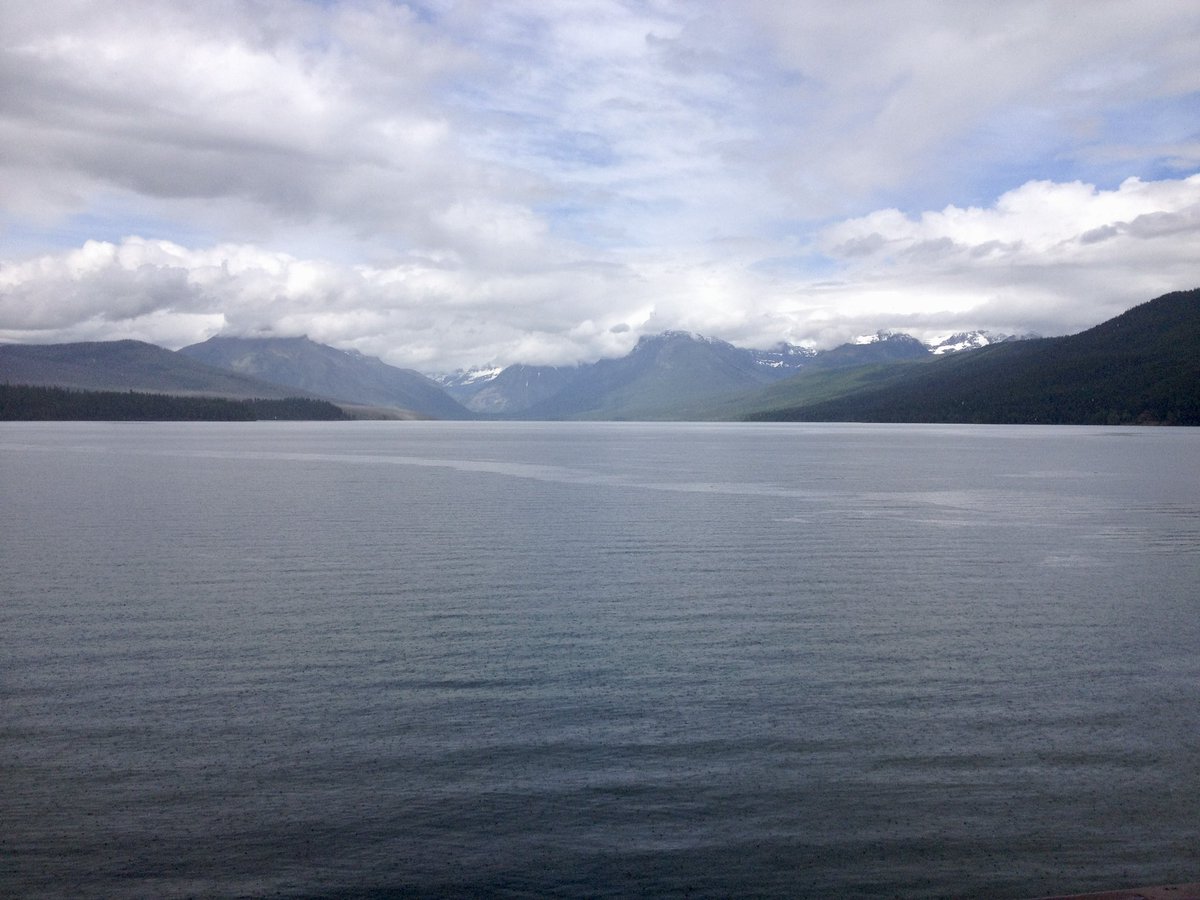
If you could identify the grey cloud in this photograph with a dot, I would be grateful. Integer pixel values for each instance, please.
(932, 250)
(112, 295)
(1147, 226)
(1159, 224)
(1096, 235)
(862, 246)
(305, 142)
(995, 248)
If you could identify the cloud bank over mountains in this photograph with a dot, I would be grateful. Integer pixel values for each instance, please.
(450, 183)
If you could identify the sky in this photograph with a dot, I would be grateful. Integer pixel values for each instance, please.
(449, 184)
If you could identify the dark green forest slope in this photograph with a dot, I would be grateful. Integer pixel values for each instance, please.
(1141, 367)
(34, 403)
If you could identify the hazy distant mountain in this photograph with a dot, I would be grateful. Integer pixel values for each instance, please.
(1142, 366)
(325, 371)
(682, 375)
(654, 373)
(660, 378)
(127, 366)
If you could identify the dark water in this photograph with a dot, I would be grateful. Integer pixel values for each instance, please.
(419, 659)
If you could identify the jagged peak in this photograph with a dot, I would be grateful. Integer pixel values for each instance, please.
(964, 340)
(884, 335)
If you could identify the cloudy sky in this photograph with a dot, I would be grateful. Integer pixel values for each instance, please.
(450, 183)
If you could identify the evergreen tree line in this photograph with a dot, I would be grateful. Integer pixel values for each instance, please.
(20, 402)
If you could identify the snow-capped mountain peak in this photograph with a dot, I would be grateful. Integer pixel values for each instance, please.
(875, 338)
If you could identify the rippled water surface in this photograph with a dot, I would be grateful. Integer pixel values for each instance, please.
(421, 659)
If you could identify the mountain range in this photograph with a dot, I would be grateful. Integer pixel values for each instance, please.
(1141, 366)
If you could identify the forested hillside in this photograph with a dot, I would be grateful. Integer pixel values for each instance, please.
(1140, 367)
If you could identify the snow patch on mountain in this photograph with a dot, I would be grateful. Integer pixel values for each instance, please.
(964, 340)
(885, 336)
(464, 377)
(784, 356)
(973, 340)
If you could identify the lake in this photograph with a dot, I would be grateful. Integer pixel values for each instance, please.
(398, 659)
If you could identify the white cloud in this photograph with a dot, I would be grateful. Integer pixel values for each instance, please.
(419, 313)
(1050, 257)
(325, 119)
(933, 93)
(1053, 257)
(1038, 218)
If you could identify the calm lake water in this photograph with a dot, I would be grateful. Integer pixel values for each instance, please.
(388, 659)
